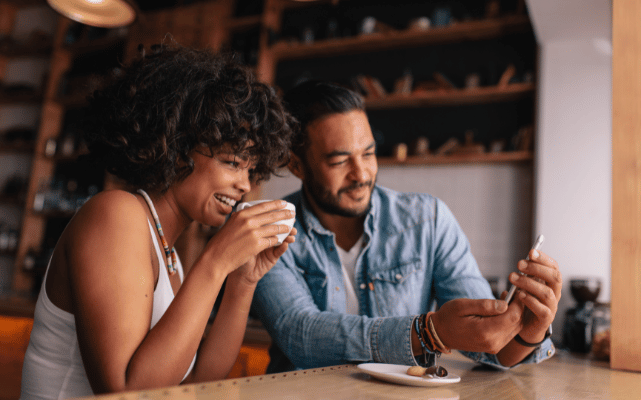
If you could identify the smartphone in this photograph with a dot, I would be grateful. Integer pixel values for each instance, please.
(536, 246)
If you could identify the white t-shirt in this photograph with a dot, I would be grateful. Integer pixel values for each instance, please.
(348, 263)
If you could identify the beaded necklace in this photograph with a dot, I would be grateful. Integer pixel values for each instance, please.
(171, 255)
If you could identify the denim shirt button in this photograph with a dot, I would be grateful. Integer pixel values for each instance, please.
(363, 286)
(399, 277)
(338, 289)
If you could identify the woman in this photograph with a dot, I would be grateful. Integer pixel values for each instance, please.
(190, 131)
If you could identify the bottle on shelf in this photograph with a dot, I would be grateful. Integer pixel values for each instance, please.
(8, 238)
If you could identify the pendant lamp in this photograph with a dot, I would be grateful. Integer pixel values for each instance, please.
(99, 13)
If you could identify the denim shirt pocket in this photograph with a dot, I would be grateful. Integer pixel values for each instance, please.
(317, 282)
(391, 286)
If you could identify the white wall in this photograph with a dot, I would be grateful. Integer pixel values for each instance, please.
(573, 167)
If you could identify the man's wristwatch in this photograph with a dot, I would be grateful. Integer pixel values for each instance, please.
(522, 342)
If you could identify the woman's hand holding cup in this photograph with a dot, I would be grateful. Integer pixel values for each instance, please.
(249, 236)
(280, 237)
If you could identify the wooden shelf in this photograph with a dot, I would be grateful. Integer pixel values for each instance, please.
(17, 306)
(13, 200)
(17, 148)
(489, 158)
(65, 159)
(21, 98)
(455, 97)
(24, 51)
(53, 214)
(27, 3)
(74, 101)
(244, 23)
(457, 32)
(289, 4)
(95, 45)
(5, 253)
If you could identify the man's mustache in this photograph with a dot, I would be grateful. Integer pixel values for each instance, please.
(355, 186)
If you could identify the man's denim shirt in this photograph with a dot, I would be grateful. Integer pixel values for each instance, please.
(414, 252)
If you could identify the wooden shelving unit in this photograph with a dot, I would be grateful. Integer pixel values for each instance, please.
(54, 109)
(16, 97)
(329, 51)
(463, 31)
(453, 97)
(484, 158)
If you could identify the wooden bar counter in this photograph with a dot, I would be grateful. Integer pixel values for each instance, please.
(564, 376)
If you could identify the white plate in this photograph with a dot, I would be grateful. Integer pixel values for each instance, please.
(398, 374)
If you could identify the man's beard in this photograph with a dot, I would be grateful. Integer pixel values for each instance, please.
(329, 203)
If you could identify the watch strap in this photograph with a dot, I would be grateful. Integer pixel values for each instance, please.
(522, 342)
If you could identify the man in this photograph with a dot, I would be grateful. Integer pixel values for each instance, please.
(368, 263)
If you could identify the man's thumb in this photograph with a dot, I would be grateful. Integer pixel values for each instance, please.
(490, 307)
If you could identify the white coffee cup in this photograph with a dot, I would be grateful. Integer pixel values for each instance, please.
(288, 222)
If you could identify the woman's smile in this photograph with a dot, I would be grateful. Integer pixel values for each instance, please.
(225, 200)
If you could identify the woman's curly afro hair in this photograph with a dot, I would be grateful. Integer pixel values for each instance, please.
(143, 126)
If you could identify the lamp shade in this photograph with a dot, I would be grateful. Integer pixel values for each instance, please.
(100, 13)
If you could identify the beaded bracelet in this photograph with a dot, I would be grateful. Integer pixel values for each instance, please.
(425, 336)
(418, 328)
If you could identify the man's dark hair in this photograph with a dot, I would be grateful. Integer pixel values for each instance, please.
(315, 99)
(143, 126)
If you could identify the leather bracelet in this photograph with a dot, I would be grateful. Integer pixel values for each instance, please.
(522, 342)
(439, 344)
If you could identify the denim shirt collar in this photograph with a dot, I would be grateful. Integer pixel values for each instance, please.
(311, 223)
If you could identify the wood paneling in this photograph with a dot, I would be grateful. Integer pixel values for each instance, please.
(626, 186)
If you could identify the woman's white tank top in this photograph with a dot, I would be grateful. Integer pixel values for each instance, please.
(53, 367)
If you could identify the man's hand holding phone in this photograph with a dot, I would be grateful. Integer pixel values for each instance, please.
(538, 287)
